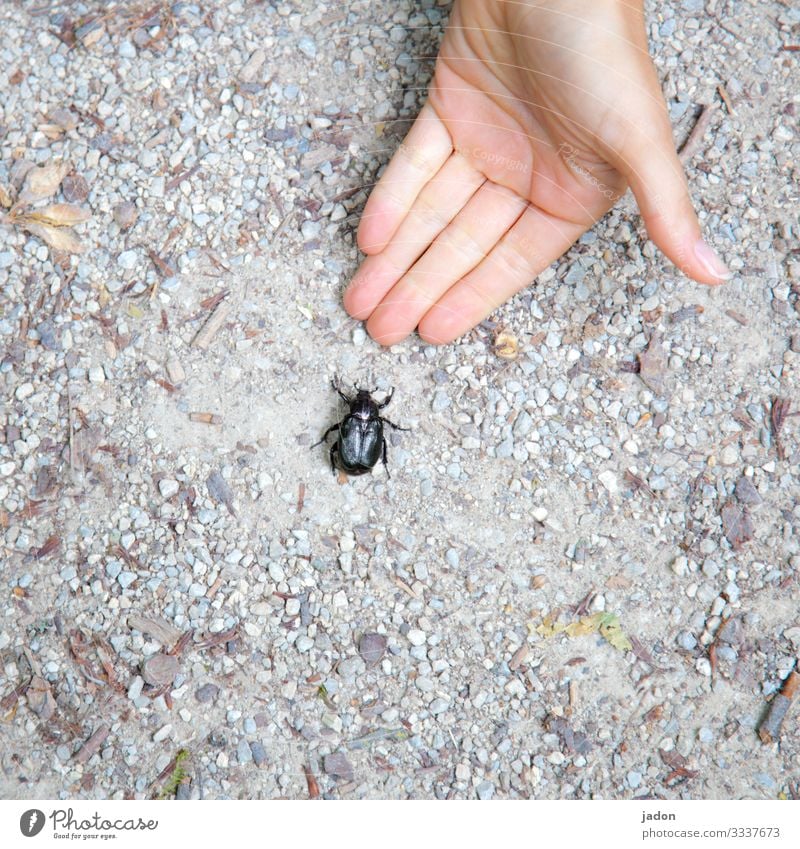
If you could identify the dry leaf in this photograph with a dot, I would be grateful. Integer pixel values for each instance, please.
(584, 626)
(653, 365)
(52, 131)
(737, 524)
(5, 197)
(611, 630)
(506, 346)
(59, 238)
(43, 181)
(606, 624)
(549, 627)
(59, 215)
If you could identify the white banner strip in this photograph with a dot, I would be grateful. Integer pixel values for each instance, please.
(411, 825)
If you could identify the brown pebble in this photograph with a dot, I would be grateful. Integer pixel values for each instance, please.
(160, 669)
(371, 647)
(207, 693)
(75, 188)
(125, 214)
(337, 765)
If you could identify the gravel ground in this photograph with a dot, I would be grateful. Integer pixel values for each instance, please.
(193, 605)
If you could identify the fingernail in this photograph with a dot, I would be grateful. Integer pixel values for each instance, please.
(708, 258)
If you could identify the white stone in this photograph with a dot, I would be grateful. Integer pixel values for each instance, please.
(609, 481)
(24, 391)
(168, 487)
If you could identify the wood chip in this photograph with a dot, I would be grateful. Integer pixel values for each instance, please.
(205, 418)
(779, 706)
(175, 370)
(695, 137)
(156, 627)
(209, 330)
(737, 317)
(92, 745)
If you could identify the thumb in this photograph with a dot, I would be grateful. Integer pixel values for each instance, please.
(656, 176)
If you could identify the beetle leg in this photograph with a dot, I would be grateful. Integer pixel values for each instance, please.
(385, 464)
(338, 388)
(331, 429)
(387, 400)
(393, 425)
(334, 452)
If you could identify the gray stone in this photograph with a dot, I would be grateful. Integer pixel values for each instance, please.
(259, 753)
(207, 693)
(128, 259)
(485, 790)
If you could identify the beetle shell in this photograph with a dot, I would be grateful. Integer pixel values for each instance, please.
(360, 442)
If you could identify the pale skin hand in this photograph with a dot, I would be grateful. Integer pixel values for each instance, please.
(540, 115)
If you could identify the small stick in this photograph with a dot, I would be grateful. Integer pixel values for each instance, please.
(778, 707)
(71, 431)
(93, 744)
(737, 316)
(214, 588)
(726, 99)
(183, 175)
(301, 497)
(311, 781)
(210, 329)
(695, 138)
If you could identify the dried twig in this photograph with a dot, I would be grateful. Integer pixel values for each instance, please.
(737, 317)
(638, 483)
(770, 728)
(777, 417)
(311, 781)
(726, 99)
(92, 745)
(695, 137)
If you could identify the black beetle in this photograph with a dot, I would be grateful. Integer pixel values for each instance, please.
(361, 442)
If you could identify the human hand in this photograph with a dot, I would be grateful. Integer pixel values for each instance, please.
(540, 115)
